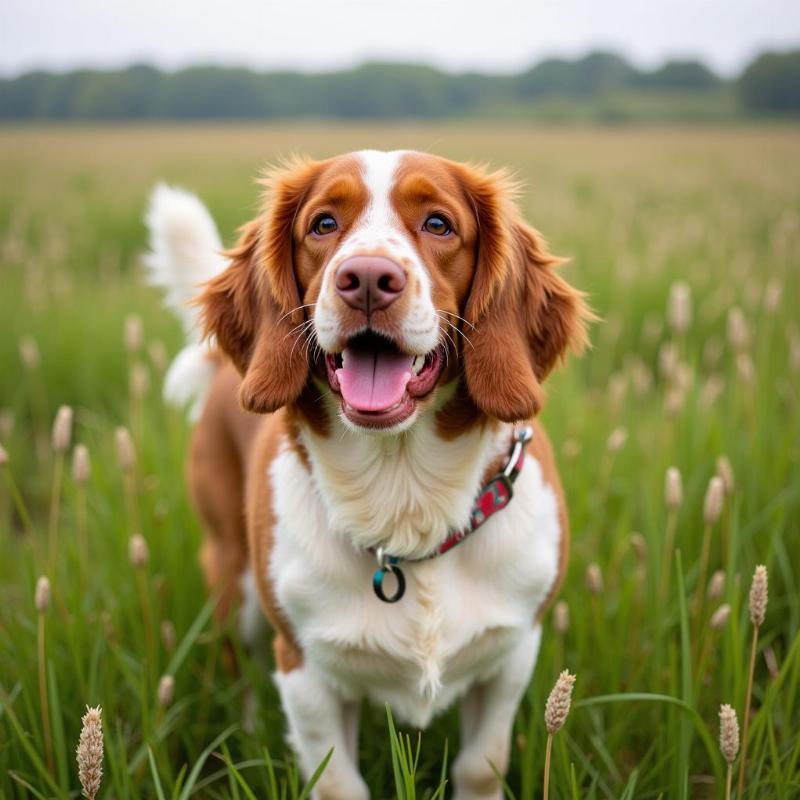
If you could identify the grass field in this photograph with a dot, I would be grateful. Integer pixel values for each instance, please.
(636, 210)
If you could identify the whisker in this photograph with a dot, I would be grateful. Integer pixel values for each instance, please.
(466, 322)
(297, 308)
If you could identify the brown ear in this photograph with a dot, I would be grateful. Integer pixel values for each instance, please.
(525, 316)
(253, 308)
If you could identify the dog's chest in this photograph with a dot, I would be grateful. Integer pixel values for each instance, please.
(460, 614)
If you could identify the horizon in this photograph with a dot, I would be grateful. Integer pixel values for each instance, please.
(453, 37)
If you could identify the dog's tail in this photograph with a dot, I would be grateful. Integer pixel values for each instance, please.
(185, 252)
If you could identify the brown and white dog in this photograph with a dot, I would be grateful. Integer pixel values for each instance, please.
(389, 318)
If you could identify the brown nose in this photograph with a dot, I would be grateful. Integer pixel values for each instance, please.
(369, 283)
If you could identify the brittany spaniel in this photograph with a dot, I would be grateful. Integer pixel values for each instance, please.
(374, 352)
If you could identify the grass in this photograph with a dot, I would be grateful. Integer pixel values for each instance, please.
(637, 210)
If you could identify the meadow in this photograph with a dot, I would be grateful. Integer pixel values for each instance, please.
(688, 244)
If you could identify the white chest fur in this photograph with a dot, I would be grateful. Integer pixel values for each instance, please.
(461, 612)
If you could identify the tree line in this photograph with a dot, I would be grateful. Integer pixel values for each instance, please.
(768, 85)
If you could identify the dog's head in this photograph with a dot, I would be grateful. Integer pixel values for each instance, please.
(386, 276)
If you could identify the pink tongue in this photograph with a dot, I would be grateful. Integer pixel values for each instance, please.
(374, 380)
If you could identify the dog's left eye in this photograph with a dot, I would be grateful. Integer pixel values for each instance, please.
(437, 225)
(324, 225)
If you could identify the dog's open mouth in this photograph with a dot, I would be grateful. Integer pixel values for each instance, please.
(379, 384)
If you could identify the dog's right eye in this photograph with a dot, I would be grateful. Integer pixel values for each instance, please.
(323, 225)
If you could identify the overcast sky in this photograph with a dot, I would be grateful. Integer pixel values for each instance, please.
(491, 35)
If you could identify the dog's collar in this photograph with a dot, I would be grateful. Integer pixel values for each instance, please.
(494, 496)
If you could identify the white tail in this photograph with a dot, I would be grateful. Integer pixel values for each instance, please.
(185, 252)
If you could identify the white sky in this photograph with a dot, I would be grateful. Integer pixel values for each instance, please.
(490, 35)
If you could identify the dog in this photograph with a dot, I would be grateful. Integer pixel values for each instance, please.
(365, 367)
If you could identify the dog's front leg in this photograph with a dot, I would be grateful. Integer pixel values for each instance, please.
(319, 719)
(487, 718)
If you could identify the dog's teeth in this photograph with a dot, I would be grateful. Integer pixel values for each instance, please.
(418, 364)
(344, 357)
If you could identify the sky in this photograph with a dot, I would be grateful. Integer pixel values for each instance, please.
(488, 35)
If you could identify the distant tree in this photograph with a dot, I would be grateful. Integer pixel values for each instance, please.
(596, 73)
(680, 75)
(772, 83)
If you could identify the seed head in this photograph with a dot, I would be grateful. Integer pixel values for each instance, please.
(720, 617)
(29, 352)
(673, 488)
(168, 635)
(725, 471)
(679, 308)
(158, 354)
(594, 578)
(138, 552)
(558, 703)
(745, 367)
(716, 586)
(758, 596)
(728, 733)
(126, 455)
(639, 546)
(772, 295)
(62, 429)
(166, 690)
(616, 440)
(715, 497)
(90, 752)
(6, 422)
(134, 333)
(738, 334)
(3, 456)
(81, 464)
(561, 617)
(42, 596)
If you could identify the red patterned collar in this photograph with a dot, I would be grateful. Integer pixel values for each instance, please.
(494, 496)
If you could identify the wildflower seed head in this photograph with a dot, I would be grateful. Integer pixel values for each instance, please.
(126, 455)
(594, 578)
(758, 596)
(772, 295)
(561, 617)
(62, 429)
(715, 497)
(716, 586)
(3, 456)
(728, 733)
(725, 471)
(673, 488)
(738, 334)
(166, 690)
(168, 637)
(6, 422)
(719, 619)
(639, 547)
(90, 752)
(157, 351)
(42, 596)
(81, 464)
(616, 440)
(138, 552)
(29, 352)
(134, 333)
(679, 308)
(558, 703)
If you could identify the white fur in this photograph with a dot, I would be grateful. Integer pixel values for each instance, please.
(185, 252)
(463, 613)
(380, 230)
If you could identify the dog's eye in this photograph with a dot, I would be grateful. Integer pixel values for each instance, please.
(324, 225)
(437, 225)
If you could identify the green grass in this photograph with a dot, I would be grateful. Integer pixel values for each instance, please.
(636, 210)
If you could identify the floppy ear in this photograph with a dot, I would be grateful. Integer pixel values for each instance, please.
(253, 307)
(525, 316)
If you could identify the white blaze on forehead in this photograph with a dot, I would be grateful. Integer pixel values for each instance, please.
(379, 174)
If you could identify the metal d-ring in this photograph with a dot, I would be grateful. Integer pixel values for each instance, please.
(523, 437)
(388, 564)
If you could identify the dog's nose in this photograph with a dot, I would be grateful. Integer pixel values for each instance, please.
(369, 283)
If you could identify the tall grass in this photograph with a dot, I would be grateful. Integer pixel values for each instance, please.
(716, 212)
